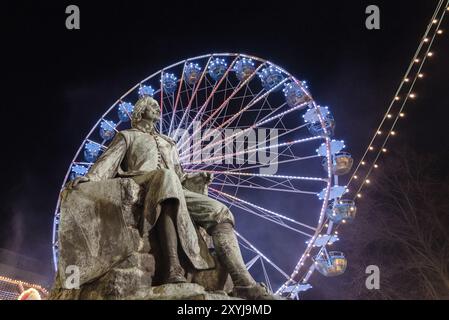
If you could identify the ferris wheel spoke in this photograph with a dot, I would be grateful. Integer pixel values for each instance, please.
(262, 175)
(161, 92)
(266, 217)
(243, 131)
(266, 182)
(181, 82)
(205, 166)
(239, 161)
(274, 115)
(264, 142)
(264, 188)
(276, 162)
(258, 110)
(166, 108)
(200, 111)
(208, 113)
(253, 108)
(195, 90)
(217, 85)
(218, 110)
(270, 213)
(233, 117)
(241, 100)
(289, 150)
(226, 91)
(267, 278)
(245, 246)
(232, 167)
(282, 272)
(250, 263)
(164, 122)
(283, 144)
(268, 118)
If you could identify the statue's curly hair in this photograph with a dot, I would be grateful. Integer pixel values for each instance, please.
(139, 109)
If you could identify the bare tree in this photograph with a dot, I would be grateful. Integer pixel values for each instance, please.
(402, 227)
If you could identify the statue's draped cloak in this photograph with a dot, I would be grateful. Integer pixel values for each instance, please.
(152, 160)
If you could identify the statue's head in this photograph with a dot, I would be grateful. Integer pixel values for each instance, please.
(146, 108)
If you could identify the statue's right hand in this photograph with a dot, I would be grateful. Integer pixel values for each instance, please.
(75, 182)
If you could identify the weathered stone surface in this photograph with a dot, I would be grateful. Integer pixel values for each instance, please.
(182, 291)
(141, 261)
(112, 288)
(216, 279)
(101, 232)
(94, 232)
(116, 284)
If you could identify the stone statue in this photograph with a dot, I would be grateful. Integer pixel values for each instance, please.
(151, 160)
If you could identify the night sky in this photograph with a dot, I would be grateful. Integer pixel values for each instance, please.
(56, 83)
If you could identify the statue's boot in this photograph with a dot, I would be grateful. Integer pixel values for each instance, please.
(228, 253)
(175, 272)
(169, 241)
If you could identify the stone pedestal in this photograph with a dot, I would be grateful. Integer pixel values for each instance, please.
(183, 291)
(102, 233)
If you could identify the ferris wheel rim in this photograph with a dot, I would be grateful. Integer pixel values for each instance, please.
(184, 61)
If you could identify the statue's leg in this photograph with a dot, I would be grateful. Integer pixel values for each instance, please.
(169, 241)
(218, 220)
(228, 252)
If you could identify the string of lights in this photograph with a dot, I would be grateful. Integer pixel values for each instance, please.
(23, 284)
(395, 111)
(385, 130)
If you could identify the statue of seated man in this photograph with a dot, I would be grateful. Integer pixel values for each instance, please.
(152, 160)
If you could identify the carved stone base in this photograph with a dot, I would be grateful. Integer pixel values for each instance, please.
(183, 291)
(101, 234)
(124, 281)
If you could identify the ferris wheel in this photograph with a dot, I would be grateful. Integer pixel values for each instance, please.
(272, 151)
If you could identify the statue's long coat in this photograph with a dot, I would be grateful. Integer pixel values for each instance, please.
(138, 152)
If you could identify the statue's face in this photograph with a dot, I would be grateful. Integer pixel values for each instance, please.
(152, 112)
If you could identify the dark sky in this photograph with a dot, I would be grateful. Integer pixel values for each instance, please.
(56, 83)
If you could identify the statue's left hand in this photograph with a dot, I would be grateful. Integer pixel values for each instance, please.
(208, 177)
(201, 177)
(198, 181)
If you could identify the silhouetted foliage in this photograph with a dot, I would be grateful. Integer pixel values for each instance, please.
(402, 227)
